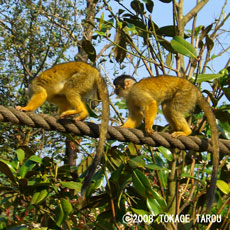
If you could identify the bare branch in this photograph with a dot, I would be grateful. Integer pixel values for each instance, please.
(104, 49)
(194, 11)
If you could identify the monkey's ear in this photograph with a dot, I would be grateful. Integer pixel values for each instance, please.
(128, 83)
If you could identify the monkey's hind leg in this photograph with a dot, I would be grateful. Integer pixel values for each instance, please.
(181, 124)
(62, 103)
(134, 119)
(35, 101)
(175, 110)
(78, 106)
(178, 123)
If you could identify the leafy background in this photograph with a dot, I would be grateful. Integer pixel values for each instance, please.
(41, 172)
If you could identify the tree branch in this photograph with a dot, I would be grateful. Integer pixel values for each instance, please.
(194, 11)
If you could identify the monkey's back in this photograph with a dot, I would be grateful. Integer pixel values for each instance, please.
(164, 88)
(66, 70)
(54, 79)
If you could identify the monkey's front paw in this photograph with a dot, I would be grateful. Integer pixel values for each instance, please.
(20, 108)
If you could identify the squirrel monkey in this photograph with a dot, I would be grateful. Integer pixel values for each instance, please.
(65, 85)
(177, 96)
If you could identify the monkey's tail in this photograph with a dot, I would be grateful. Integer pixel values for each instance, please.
(103, 94)
(215, 146)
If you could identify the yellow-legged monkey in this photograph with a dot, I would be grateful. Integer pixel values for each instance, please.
(177, 96)
(66, 85)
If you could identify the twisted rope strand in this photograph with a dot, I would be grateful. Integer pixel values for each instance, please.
(136, 136)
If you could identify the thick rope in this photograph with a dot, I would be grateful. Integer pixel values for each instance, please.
(136, 136)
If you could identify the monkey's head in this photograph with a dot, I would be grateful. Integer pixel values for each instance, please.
(123, 84)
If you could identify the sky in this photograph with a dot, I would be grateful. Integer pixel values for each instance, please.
(206, 16)
(162, 16)
(209, 12)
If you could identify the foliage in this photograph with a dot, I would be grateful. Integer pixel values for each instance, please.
(38, 190)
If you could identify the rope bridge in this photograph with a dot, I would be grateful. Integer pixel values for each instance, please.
(136, 136)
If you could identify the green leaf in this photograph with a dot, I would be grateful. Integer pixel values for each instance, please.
(40, 228)
(223, 186)
(103, 34)
(11, 165)
(59, 214)
(166, 44)
(3, 222)
(224, 71)
(132, 149)
(198, 29)
(14, 165)
(205, 31)
(5, 169)
(26, 167)
(36, 159)
(169, 31)
(83, 166)
(209, 43)
(138, 184)
(160, 200)
(20, 155)
(183, 47)
(105, 219)
(166, 1)
(187, 175)
(141, 183)
(121, 104)
(101, 21)
(39, 196)
(137, 6)
(104, 26)
(96, 182)
(153, 206)
(116, 175)
(208, 77)
(166, 153)
(169, 59)
(143, 178)
(66, 207)
(137, 162)
(140, 211)
(227, 92)
(149, 5)
(72, 185)
(155, 167)
(140, 26)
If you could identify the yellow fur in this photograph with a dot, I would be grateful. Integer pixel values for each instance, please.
(66, 85)
(177, 97)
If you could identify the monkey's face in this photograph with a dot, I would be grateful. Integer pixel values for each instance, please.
(123, 84)
(120, 91)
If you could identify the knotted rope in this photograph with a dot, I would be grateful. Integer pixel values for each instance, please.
(136, 136)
